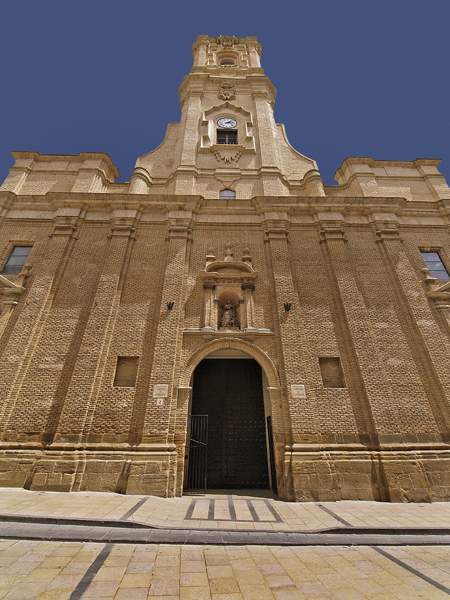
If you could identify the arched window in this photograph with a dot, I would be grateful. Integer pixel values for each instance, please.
(227, 59)
(227, 194)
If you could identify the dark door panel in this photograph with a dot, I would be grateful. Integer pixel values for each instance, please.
(229, 391)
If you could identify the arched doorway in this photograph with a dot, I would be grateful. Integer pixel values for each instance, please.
(230, 439)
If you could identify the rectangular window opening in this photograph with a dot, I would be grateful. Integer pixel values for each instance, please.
(331, 371)
(126, 371)
(16, 260)
(227, 136)
(435, 264)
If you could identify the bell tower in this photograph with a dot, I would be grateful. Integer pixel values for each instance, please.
(227, 137)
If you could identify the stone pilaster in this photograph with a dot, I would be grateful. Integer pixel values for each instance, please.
(73, 421)
(210, 317)
(298, 415)
(25, 326)
(429, 347)
(161, 411)
(370, 392)
(6, 202)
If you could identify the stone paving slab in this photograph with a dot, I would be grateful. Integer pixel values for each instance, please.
(72, 571)
(184, 513)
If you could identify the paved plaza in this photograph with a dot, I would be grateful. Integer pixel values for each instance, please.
(360, 567)
(225, 511)
(52, 570)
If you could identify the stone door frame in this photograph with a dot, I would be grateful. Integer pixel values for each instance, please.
(274, 393)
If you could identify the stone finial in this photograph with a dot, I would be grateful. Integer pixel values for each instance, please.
(229, 256)
(246, 257)
(210, 256)
(24, 274)
(428, 279)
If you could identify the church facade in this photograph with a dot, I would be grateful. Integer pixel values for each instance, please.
(224, 319)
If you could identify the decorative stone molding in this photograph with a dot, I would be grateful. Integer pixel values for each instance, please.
(123, 223)
(180, 224)
(438, 292)
(227, 41)
(227, 44)
(123, 227)
(228, 156)
(276, 226)
(332, 231)
(386, 227)
(10, 293)
(332, 226)
(226, 91)
(64, 226)
(244, 124)
(234, 343)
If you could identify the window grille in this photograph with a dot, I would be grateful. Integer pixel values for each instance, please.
(227, 136)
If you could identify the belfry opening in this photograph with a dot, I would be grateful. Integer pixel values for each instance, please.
(230, 435)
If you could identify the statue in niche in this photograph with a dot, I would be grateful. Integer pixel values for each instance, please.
(228, 317)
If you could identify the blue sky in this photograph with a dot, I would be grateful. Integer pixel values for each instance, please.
(364, 78)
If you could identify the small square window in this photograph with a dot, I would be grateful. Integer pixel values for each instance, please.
(227, 194)
(331, 371)
(16, 260)
(126, 371)
(434, 264)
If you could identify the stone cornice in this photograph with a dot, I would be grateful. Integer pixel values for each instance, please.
(25, 154)
(374, 162)
(41, 207)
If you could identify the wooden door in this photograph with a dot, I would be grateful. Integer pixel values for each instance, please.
(229, 391)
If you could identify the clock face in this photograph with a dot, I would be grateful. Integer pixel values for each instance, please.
(226, 123)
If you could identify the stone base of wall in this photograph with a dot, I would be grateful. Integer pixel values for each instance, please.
(396, 475)
(114, 471)
(392, 475)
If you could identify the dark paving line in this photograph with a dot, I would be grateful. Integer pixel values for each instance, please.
(87, 578)
(211, 507)
(333, 514)
(275, 513)
(134, 508)
(190, 510)
(399, 562)
(252, 510)
(231, 508)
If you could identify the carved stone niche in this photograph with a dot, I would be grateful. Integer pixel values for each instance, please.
(228, 286)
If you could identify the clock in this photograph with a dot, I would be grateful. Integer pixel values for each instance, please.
(226, 123)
